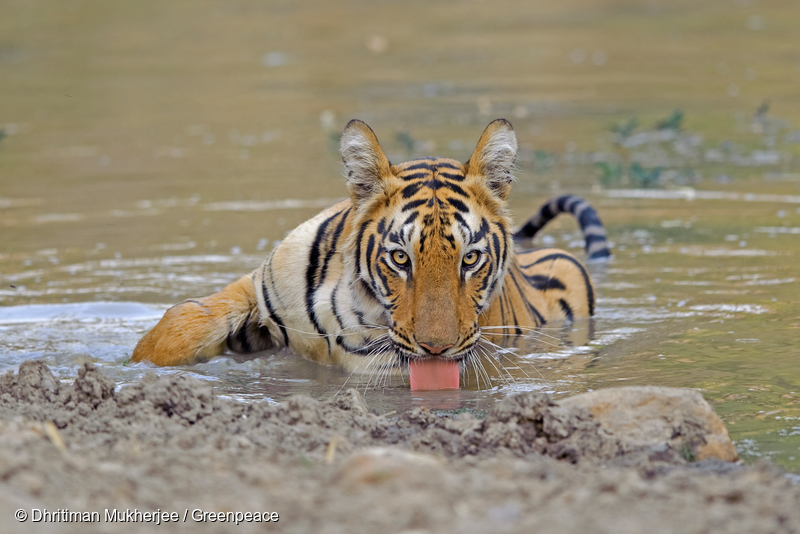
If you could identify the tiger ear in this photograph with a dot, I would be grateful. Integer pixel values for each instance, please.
(493, 159)
(364, 161)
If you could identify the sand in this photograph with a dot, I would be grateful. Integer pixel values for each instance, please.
(87, 450)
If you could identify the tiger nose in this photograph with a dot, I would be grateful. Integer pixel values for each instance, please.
(434, 349)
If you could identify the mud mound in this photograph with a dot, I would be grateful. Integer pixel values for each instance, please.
(603, 464)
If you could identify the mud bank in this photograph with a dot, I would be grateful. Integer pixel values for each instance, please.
(648, 461)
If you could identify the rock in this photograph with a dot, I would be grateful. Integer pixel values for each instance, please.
(647, 417)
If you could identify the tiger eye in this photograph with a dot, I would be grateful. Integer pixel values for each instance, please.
(399, 257)
(470, 258)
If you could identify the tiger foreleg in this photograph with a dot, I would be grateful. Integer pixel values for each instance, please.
(199, 329)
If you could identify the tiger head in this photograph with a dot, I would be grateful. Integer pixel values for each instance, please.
(431, 241)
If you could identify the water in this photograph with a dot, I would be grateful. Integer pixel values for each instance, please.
(682, 304)
(152, 152)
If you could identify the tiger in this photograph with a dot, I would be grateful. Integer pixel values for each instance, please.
(417, 265)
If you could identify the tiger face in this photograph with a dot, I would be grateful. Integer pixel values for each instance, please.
(432, 242)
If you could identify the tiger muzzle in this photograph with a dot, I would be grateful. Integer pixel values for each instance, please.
(433, 349)
(436, 324)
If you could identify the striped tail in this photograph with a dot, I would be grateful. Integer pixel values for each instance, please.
(593, 232)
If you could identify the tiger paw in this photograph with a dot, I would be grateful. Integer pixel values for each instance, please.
(187, 333)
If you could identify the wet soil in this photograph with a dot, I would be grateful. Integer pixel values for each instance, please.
(170, 444)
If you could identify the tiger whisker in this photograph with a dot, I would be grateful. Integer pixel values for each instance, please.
(346, 380)
(377, 351)
(338, 333)
(384, 367)
(546, 342)
(525, 328)
(525, 372)
(380, 339)
(491, 359)
(484, 355)
(465, 364)
(482, 340)
(481, 370)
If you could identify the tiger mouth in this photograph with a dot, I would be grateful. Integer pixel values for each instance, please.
(406, 356)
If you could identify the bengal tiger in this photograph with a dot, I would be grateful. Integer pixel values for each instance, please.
(418, 265)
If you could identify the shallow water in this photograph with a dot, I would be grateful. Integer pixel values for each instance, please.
(682, 303)
(152, 152)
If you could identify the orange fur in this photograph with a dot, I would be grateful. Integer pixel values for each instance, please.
(196, 329)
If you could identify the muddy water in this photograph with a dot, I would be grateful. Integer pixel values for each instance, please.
(700, 293)
(152, 152)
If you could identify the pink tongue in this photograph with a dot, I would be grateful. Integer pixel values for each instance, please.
(433, 373)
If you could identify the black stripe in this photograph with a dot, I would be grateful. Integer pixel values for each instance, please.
(560, 256)
(547, 213)
(312, 283)
(415, 176)
(543, 283)
(333, 305)
(237, 341)
(486, 278)
(500, 247)
(413, 204)
(566, 308)
(370, 248)
(561, 202)
(449, 176)
(480, 234)
(593, 238)
(411, 218)
(274, 316)
(359, 351)
(502, 307)
(403, 337)
(531, 308)
(496, 247)
(588, 218)
(530, 228)
(412, 189)
(332, 246)
(382, 276)
(457, 204)
(454, 188)
(370, 291)
(447, 166)
(503, 244)
(450, 239)
(493, 287)
(359, 237)
(421, 165)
